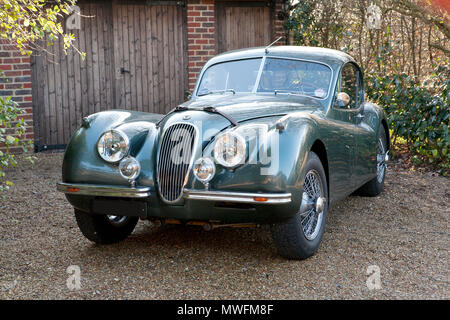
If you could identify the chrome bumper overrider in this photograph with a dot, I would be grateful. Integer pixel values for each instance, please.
(103, 190)
(142, 192)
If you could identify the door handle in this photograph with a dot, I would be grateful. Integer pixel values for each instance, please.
(122, 70)
(360, 116)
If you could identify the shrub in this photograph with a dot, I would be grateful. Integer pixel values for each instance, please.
(417, 112)
(12, 128)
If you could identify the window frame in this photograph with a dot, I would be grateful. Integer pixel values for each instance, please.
(359, 87)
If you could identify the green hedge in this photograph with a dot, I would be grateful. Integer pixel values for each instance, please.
(418, 112)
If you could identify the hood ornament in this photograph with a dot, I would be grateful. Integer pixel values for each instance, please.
(187, 117)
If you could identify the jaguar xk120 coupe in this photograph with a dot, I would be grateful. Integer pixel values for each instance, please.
(269, 136)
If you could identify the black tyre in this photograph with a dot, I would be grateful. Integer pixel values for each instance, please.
(300, 236)
(105, 229)
(375, 186)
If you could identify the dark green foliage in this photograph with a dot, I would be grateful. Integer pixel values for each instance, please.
(418, 112)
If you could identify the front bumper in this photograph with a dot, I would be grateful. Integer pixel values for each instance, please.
(102, 190)
(143, 192)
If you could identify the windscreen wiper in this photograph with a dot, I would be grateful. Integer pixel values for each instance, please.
(176, 109)
(216, 91)
(210, 109)
(226, 116)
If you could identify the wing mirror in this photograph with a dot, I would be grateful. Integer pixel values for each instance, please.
(187, 95)
(342, 100)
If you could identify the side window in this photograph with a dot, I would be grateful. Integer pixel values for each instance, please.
(349, 84)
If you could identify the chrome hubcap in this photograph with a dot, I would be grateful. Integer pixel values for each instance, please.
(382, 157)
(312, 206)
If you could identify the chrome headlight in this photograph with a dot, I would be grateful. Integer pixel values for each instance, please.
(113, 145)
(130, 168)
(204, 169)
(230, 149)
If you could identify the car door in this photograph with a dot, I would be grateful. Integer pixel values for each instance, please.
(342, 134)
(364, 160)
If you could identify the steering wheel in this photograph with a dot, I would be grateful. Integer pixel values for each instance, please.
(303, 87)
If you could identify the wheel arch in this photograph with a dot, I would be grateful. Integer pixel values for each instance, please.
(386, 129)
(318, 148)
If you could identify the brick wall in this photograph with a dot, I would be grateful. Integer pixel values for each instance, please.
(15, 81)
(201, 36)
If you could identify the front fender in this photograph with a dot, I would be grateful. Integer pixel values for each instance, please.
(82, 163)
(287, 151)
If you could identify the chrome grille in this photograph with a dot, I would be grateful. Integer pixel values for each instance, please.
(174, 160)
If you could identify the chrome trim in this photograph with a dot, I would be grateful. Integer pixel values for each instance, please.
(241, 197)
(103, 190)
(166, 155)
(124, 136)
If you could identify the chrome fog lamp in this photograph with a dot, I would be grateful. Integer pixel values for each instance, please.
(230, 149)
(130, 168)
(204, 169)
(113, 145)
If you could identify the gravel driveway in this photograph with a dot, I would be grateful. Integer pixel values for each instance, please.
(404, 232)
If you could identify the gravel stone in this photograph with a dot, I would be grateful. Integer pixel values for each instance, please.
(404, 232)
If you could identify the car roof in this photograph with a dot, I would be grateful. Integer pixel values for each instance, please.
(329, 56)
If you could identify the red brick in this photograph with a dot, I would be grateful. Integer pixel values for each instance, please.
(5, 67)
(193, 24)
(13, 73)
(21, 66)
(193, 13)
(194, 35)
(11, 60)
(201, 19)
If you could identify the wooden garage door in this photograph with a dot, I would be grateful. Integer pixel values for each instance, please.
(243, 24)
(135, 60)
(150, 55)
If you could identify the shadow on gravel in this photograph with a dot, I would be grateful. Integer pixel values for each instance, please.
(189, 243)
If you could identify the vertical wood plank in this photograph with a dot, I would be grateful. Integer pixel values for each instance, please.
(164, 22)
(84, 85)
(144, 58)
(76, 107)
(101, 43)
(171, 57)
(156, 59)
(132, 59)
(137, 55)
(95, 58)
(160, 45)
(150, 58)
(126, 54)
(64, 89)
(118, 57)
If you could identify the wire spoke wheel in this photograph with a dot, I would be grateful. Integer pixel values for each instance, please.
(381, 160)
(312, 206)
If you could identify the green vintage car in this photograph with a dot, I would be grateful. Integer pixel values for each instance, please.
(270, 136)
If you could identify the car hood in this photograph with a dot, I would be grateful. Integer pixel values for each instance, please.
(247, 107)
